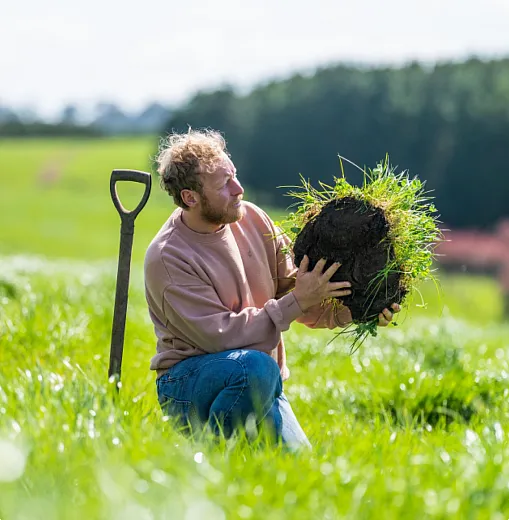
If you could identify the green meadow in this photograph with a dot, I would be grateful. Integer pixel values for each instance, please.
(55, 199)
(413, 425)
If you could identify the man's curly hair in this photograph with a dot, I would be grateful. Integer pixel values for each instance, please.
(183, 157)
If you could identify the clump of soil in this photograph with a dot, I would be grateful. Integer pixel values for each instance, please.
(354, 233)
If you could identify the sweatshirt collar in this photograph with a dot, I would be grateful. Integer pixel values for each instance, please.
(194, 236)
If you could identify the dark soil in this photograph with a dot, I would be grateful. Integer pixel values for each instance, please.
(354, 233)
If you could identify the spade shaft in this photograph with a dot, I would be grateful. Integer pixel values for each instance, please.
(127, 219)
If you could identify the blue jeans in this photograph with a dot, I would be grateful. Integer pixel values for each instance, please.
(224, 390)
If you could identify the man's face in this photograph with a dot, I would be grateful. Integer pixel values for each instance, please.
(222, 193)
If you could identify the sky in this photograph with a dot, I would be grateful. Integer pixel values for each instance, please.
(58, 52)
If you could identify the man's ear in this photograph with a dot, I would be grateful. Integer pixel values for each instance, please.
(190, 197)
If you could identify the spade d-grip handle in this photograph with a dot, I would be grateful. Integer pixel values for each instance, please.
(133, 176)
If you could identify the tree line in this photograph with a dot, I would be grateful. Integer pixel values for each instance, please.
(448, 124)
(106, 119)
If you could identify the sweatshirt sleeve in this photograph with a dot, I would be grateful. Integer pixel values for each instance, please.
(198, 313)
(318, 316)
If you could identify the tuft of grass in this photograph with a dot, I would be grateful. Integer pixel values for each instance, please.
(412, 217)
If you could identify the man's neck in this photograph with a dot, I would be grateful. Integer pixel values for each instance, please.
(197, 224)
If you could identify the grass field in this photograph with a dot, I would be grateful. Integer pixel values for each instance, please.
(55, 199)
(413, 425)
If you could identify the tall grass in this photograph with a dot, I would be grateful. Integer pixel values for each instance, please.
(412, 426)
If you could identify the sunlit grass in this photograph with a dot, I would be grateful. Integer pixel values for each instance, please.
(414, 425)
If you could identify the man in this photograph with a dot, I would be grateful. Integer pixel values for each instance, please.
(220, 292)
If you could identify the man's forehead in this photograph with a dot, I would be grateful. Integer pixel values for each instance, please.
(224, 167)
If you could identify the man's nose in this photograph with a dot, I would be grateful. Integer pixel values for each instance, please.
(237, 188)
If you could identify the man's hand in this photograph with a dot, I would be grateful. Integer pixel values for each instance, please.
(312, 287)
(385, 317)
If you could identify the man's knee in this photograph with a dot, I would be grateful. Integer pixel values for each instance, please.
(262, 371)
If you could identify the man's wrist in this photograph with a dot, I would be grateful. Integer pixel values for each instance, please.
(303, 304)
(290, 309)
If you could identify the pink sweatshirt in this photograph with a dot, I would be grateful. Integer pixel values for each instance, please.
(226, 290)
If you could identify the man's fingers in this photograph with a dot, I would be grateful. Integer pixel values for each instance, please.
(387, 314)
(331, 270)
(320, 265)
(395, 307)
(382, 322)
(344, 292)
(339, 285)
(304, 264)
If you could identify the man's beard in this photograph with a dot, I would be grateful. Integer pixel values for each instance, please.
(219, 217)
